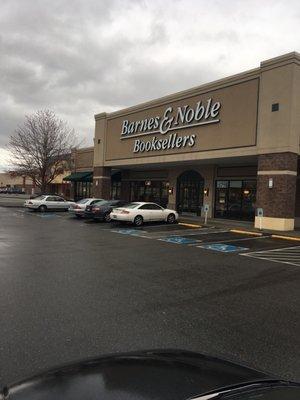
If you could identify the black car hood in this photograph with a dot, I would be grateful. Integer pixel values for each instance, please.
(148, 375)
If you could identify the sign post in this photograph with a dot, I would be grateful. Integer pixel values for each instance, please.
(260, 214)
(205, 209)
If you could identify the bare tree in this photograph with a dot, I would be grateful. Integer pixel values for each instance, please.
(41, 147)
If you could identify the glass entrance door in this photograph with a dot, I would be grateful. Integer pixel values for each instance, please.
(190, 186)
(235, 199)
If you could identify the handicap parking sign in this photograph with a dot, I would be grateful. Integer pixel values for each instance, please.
(260, 212)
(224, 248)
(206, 208)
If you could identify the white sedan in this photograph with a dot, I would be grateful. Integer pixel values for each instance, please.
(141, 212)
(79, 207)
(44, 202)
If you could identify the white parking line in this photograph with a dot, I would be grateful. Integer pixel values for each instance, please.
(186, 232)
(241, 239)
(285, 255)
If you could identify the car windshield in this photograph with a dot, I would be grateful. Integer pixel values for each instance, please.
(82, 201)
(101, 203)
(40, 198)
(131, 205)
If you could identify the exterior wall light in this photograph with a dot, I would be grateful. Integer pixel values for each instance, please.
(206, 191)
(147, 183)
(246, 191)
(170, 190)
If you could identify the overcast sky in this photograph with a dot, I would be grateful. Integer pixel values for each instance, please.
(79, 58)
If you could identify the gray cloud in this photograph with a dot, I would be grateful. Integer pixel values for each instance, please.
(83, 57)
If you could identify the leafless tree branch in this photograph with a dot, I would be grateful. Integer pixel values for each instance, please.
(41, 147)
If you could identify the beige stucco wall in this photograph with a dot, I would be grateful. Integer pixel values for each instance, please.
(242, 96)
(83, 159)
(59, 178)
(99, 139)
(279, 131)
(6, 179)
(237, 126)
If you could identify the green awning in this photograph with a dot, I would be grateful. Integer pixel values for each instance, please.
(86, 176)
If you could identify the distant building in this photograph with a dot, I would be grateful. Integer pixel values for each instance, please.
(81, 176)
(10, 180)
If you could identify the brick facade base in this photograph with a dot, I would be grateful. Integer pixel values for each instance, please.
(278, 202)
(102, 182)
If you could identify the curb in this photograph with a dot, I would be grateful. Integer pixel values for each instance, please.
(189, 225)
(294, 238)
(11, 206)
(246, 232)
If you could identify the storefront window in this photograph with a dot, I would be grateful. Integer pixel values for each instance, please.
(235, 199)
(115, 193)
(116, 190)
(82, 190)
(153, 191)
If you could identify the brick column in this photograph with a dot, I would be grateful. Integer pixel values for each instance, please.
(297, 208)
(278, 202)
(102, 182)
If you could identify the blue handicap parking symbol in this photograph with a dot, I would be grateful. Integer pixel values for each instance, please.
(48, 215)
(179, 240)
(224, 248)
(133, 232)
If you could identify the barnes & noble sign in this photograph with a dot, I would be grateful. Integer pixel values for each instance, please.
(173, 119)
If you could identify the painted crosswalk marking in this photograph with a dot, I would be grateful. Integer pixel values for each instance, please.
(286, 255)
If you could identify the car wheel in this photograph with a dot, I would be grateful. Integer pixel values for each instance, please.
(107, 217)
(171, 219)
(42, 208)
(78, 215)
(138, 220)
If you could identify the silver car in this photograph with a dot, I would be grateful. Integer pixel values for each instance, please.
(79, 207)
(48, 202)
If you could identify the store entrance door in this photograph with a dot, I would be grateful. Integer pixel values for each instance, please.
(189, 197)
(235, 199)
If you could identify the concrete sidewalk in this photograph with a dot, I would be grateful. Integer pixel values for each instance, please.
(13, 200)
(246, 226)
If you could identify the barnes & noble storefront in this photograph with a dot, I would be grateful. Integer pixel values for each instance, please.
(231, 145)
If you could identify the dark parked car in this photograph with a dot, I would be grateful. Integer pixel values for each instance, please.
(156, 375)
(101, 211)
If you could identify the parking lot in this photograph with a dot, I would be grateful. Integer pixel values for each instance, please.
(72, 289)
(211, 238)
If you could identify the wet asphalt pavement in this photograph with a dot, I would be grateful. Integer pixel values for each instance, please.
(71, 290)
